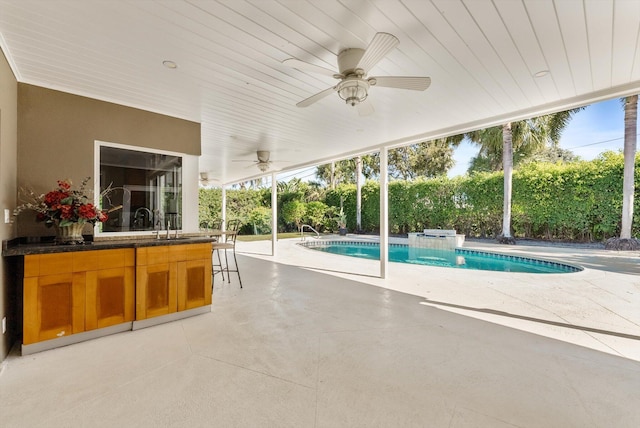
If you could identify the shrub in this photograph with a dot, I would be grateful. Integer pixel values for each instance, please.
(259, 221)
(293, 212)
(315, 213)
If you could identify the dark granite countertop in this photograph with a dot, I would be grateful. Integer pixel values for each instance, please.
(17, 247)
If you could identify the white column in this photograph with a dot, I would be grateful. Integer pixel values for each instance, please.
(274, 213)
(384, 213)
(223, 214)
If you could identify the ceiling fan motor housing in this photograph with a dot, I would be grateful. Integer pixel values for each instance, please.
(263, 156)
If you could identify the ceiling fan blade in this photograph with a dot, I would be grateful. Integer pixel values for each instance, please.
(305, 66)
(317, 97)
(401, 82)
(365, 108)
(380, 46)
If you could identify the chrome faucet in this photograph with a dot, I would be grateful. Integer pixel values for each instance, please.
(157, 226)
(168, 228)
(137, 216)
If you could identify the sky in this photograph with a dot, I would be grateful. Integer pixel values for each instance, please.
(597, 128)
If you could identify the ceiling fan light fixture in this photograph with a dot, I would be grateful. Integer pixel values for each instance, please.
(353, 91)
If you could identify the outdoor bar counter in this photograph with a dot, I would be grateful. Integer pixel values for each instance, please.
(72, 293)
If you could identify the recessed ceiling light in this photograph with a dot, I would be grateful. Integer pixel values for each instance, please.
(541, 73)
(169, 64)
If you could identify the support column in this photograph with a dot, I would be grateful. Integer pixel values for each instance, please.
(274, 214)
(384, 212)
(223, 214)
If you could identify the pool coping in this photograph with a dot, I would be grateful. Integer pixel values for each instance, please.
(570, 267)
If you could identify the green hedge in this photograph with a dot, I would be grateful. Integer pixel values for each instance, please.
(241, 204)
(572, 201)
(575, 201)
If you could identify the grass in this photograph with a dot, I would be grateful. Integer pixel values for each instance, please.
(251, 238)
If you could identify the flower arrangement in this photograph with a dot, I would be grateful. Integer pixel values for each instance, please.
(63, 206)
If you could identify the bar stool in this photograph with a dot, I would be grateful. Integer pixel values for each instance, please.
(216, 267)
(226, 242)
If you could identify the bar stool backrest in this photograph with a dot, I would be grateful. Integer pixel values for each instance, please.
(232, 226)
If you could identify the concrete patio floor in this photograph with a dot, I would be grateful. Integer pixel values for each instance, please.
(596, 308)
(305, 344)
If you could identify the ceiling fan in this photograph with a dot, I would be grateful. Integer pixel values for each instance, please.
(205, 180)
(263, 161)
(353, 66)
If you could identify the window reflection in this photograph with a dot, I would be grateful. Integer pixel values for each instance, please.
(147, 185)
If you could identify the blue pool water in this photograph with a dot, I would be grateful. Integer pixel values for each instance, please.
(458, 258)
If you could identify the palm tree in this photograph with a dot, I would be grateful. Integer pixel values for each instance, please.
(628, 187)
(626, 242)
(337, 172)
(528, 136)
(507, 165)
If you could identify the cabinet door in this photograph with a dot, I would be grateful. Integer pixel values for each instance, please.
(54, 306)
(194, 284)
(110, 297)
(156, 290)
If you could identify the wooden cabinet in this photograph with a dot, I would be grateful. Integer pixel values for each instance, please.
(111, 289)
(73, 292)
(53, 306)
(156, 284)
(194, 283)
(172, 278)
(79, 295)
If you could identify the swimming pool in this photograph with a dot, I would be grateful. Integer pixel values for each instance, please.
(460, 258)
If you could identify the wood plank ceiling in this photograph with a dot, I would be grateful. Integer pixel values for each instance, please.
(482, 57)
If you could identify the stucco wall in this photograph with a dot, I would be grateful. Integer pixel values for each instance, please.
(8, 173)
(46, 135)
(57, 132)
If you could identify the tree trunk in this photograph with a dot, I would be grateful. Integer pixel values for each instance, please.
(358, 194)
(628, 187)
(333, 175)
(507, 165)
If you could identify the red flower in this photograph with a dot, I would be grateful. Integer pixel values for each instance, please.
(66, 211)
(102, 216)
(64, 184)
(87, 211)
(54, 197)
